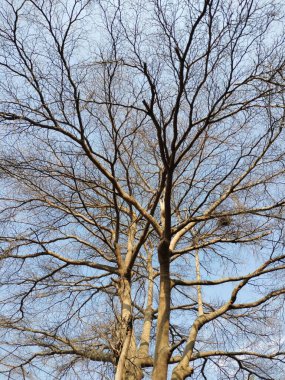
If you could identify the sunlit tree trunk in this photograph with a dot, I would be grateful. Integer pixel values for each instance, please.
(162, 351)
(148, 316)
(125, 367)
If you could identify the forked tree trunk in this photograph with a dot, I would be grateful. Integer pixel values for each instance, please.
(162, 349)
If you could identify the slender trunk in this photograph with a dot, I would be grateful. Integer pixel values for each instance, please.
(125, 329)
(128, 367)
(183, 370)
(121, 366)
(199, 289)
(145, 336)
(133, 369)
(162, 349)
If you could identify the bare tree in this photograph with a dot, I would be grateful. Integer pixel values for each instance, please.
(142, 200)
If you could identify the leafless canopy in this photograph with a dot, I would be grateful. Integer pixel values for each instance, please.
(142, 164)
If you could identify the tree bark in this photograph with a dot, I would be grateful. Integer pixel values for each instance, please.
(121, 366)
(183, 370)
(125, 328)
(132, 369)
(162, 349)
(199, 289)
(145, 336)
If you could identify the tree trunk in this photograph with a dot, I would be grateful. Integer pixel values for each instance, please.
(132, 369)
(162, 349)
(183, 370)
(145, 336)
(128, 366)
(121, 366)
